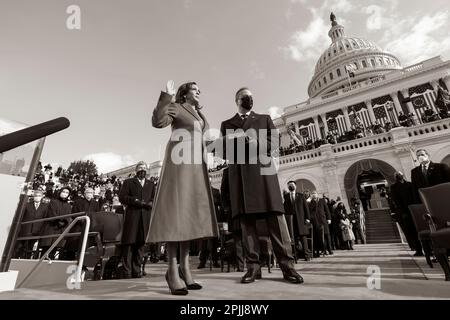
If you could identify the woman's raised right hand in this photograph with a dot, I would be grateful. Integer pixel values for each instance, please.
(170, 87)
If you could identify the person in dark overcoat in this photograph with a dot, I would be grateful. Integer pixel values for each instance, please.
(34, 210)
(85, 204)
(403, 194)
(253, 183)
(58, 207)
(297, 216)
(428, 173)
(136, 194)
(320, 219)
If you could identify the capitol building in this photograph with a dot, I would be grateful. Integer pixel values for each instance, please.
(376, 92)
(358, 84)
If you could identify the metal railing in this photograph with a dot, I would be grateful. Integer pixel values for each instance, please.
(79, 216)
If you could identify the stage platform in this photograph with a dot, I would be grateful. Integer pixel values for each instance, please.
(341, 276)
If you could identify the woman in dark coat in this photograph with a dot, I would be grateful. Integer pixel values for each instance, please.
(184, 208)
(57, 207)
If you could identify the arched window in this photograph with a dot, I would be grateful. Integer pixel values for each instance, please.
(338, 72)
(364, 64)
(324, 80)
(331, 75)
(372, 61)
(320, 86)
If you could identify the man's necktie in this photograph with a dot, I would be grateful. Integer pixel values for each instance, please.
(244, 117)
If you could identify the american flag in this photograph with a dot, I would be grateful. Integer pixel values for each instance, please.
(381, 115)
(424, 100)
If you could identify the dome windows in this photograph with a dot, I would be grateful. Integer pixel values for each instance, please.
(338, 72)
(372, 62)
(364, 64)
(331, 76)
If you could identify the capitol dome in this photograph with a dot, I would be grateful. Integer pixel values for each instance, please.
(368, 59)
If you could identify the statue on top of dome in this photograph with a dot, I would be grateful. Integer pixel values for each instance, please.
(332, 17)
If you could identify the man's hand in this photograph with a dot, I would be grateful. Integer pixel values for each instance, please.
(307, 221)
(329, 221)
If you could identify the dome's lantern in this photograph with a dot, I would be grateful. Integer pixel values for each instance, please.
(330, 72)
(337, 31)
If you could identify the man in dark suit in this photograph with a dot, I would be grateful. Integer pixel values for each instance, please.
(296, 212)
(254, 187)
(403, 195)
(137, 194)
(34, 210)
(320, 219)
(428, 174)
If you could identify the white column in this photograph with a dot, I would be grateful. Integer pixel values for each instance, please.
(405, 93)
(370, 109)
(447, 82)
(347, 118)
(297, 129)
(434, 84)
(316, 124)
(325, 123)
(397, 105)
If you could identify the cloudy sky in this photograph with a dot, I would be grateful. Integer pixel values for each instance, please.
(107, 76)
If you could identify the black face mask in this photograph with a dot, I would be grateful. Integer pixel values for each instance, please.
(141, 174)
(247, 102)
(291, 188)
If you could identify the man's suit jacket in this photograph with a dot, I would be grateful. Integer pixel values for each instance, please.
(252, 192)
(319, 212)
(33, 229)
(437, 173)
(137, 213)
(300, 210)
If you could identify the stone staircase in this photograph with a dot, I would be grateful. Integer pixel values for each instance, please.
(380, 228)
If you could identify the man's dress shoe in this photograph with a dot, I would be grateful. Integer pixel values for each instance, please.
(251, 275)
(292, 276)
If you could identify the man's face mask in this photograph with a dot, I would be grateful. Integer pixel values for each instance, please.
(423, 158)
(247, 102)
(141, 174)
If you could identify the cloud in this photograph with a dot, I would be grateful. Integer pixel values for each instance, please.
(109, 161)
(418, 38)
(275, 112)
(308, 44)
(377, 18)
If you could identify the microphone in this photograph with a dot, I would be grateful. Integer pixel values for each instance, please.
(18, 138)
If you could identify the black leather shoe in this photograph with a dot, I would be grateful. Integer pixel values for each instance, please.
(176, 292)
(251, 275)
(292, 276)
(192, 286)
(216, 265)
(136, 276)
(202, 265)
(418, 254)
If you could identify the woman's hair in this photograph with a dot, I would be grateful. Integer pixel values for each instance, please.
(182, 91)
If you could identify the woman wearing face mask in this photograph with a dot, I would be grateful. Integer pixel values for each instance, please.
(183, 209)
(57, 207)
